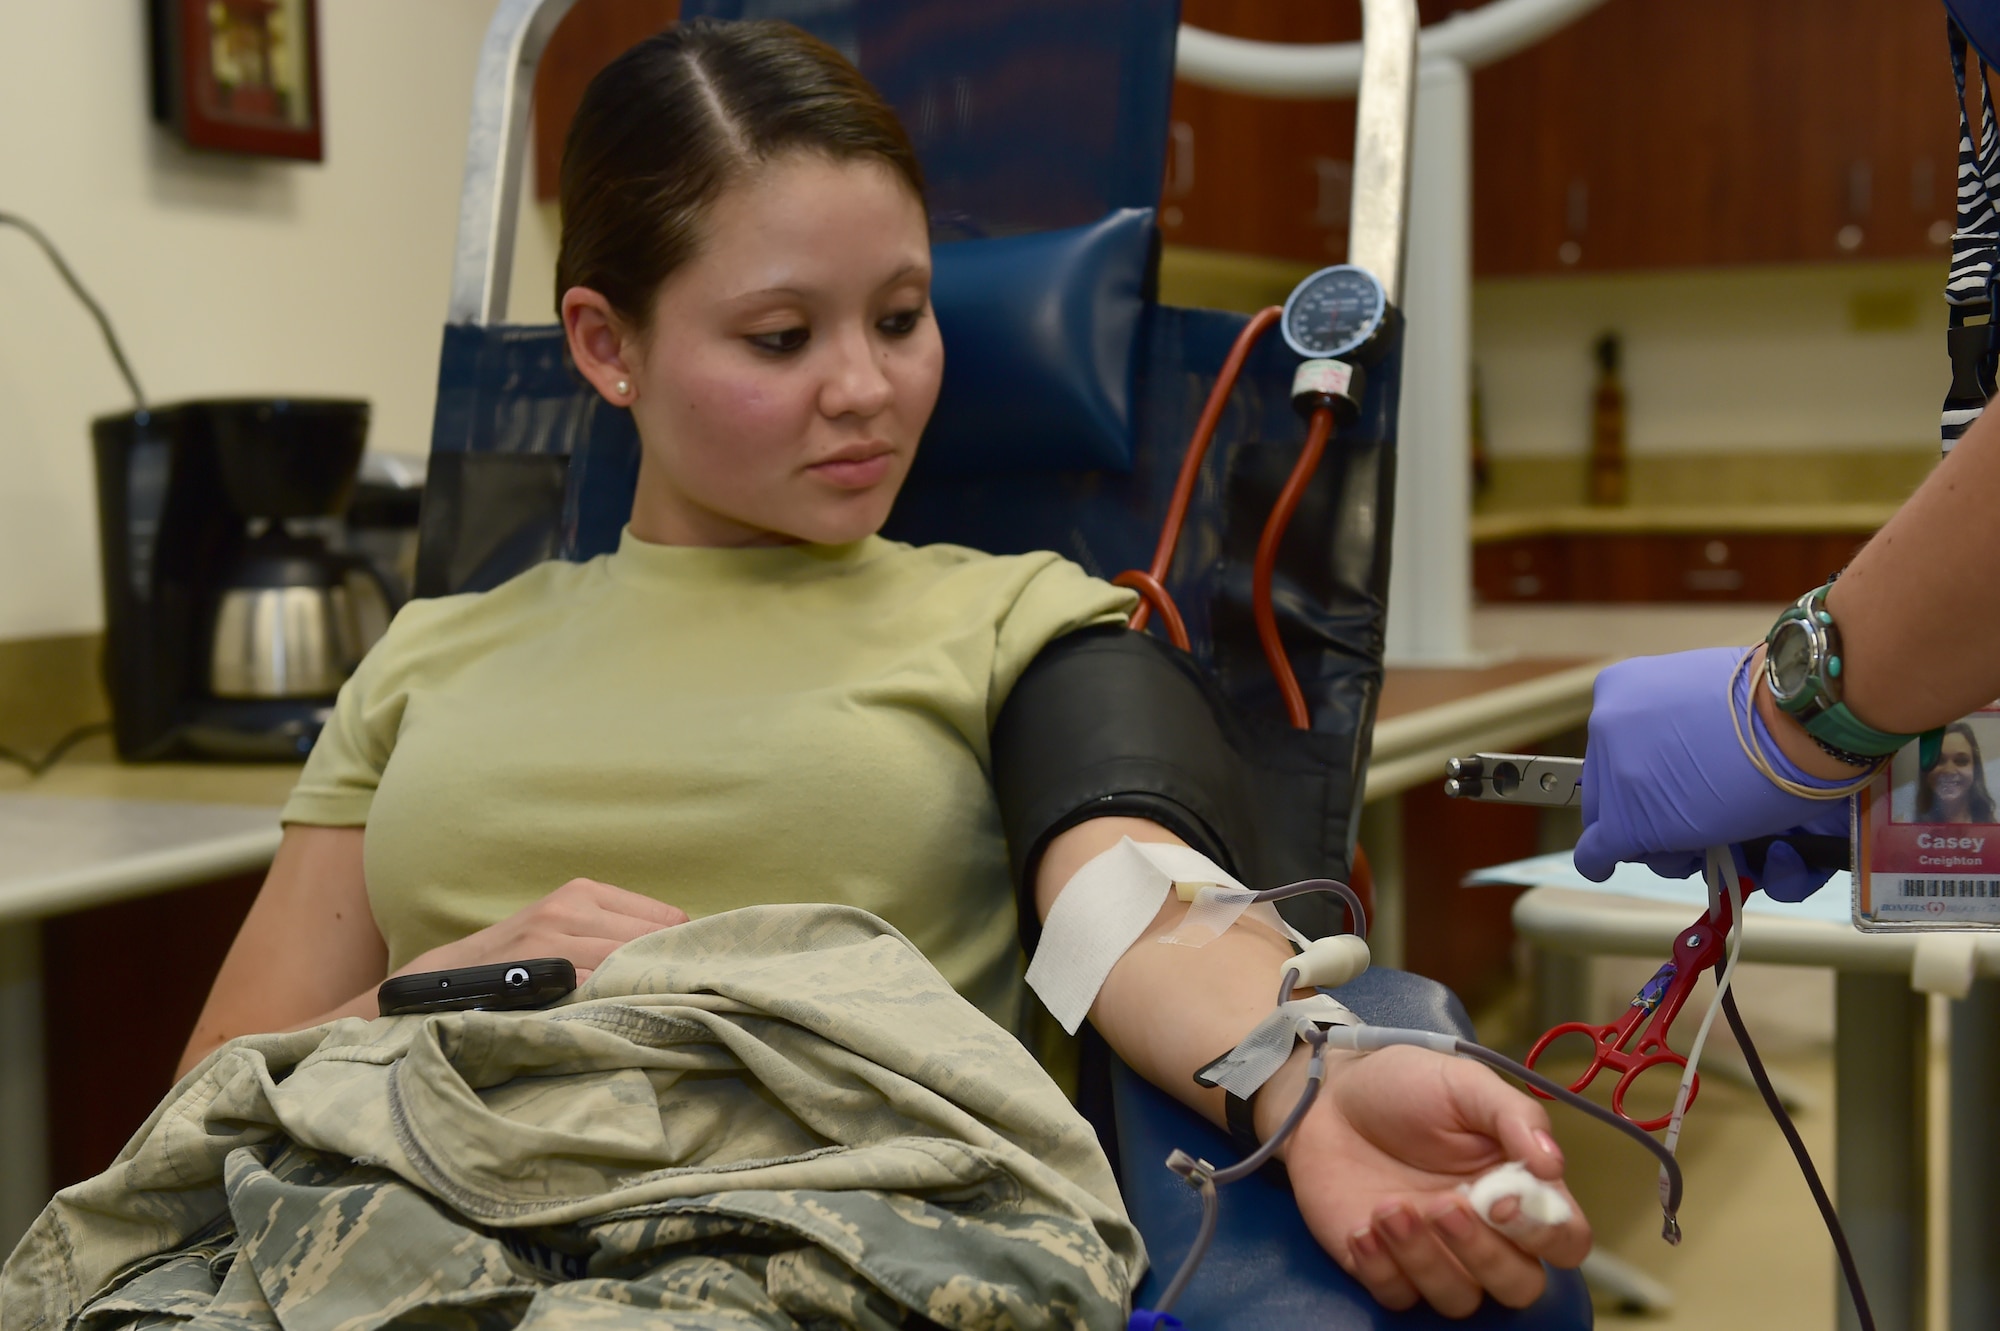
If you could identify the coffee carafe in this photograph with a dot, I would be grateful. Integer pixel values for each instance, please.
(291, 617)
(231, 620)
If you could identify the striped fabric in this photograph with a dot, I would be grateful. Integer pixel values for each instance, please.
(1975, 257)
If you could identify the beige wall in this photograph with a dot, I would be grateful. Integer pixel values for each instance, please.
(223, 275)
(1847, 356)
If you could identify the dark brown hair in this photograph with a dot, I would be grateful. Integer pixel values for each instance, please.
(668, 125)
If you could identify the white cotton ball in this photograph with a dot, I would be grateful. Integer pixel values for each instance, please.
(1541, 1204)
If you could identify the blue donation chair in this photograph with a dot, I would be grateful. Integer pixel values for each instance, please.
(1068, 401)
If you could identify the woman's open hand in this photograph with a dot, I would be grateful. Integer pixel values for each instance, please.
(583, 921)
(1376, 1166)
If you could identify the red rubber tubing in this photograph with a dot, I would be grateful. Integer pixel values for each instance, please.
(1204, 434)
(1154, 596)
(1317, 434)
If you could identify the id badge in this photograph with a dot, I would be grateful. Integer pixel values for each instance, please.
(1927, 839)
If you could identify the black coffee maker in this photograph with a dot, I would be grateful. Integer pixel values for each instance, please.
(230, 620)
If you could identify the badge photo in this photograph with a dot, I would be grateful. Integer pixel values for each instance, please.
(1928, 836)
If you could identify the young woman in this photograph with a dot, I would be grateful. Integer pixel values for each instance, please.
(758, 699)
(1953, 789)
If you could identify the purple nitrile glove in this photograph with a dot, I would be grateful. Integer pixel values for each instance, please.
(1664, 777)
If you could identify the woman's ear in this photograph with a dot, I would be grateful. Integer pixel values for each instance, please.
(601, 345)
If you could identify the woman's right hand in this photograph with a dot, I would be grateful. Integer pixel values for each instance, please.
(583, 921)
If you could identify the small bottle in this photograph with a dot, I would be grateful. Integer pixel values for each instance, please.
(1607, 427)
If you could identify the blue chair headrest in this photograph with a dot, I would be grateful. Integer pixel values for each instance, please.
(1040, 343)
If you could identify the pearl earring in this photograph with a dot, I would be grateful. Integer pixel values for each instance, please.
(623, 388)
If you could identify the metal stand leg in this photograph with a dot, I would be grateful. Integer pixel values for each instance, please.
(1616, 1281)
(1971, 1277)
(1879, 1130)
(24, 1187)
(1562, 988)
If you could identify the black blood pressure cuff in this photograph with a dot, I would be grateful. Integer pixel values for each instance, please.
(1108, 722)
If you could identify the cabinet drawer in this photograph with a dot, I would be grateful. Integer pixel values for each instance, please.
(1530, 568)
(1654, 567)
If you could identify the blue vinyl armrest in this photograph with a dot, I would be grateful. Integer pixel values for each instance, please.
(1265, 1270)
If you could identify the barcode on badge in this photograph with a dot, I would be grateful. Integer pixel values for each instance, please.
(1950, 887)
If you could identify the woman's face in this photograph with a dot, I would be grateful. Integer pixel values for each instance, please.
(791, 365)
(1951, 780)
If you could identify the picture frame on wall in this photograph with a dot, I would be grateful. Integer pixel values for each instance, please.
(239, 76)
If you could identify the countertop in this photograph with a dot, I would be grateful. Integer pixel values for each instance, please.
(93, 829)
(1683, 520)
(66, 853)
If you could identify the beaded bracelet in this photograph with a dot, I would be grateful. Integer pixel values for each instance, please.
(1753, 748)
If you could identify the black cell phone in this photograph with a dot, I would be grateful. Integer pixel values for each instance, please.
(500, 987)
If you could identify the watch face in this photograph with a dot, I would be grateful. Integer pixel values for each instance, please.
(1788, 660)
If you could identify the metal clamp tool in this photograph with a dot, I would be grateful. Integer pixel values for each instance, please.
(1516, 778)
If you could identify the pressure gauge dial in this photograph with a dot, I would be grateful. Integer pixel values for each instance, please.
(1335, 313)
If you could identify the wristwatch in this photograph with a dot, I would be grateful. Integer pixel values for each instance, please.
(1802, 667)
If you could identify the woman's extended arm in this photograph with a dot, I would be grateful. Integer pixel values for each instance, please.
(1375, 1166)
(309, 951)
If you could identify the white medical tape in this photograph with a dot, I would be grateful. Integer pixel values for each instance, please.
(1215, 909)
(1101, 912)
(1541, 1204)
(1256, 1059)
(1185, 867)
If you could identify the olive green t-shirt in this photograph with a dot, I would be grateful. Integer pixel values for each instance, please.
(710, 727)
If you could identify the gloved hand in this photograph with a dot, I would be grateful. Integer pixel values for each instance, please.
(1786, 876)
(1664, 776)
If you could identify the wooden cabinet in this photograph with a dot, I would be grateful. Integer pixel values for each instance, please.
(590, 37)
(1656, 567)
(122, 985)
(1255, 176)
(1646, 135)
(1706, 132)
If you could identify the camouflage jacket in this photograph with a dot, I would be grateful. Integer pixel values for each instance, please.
(780, 1116)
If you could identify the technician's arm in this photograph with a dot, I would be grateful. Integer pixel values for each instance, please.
(1919, 608)
(1919, 618)
(1376, 1163)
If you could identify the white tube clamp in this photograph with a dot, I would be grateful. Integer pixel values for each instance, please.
(1328, 963)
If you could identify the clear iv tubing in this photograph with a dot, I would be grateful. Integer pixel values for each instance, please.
(1720, 865)
(1204, 1177)
(1357, 914)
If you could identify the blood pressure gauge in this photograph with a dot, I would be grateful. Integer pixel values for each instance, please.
(1336, 314)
